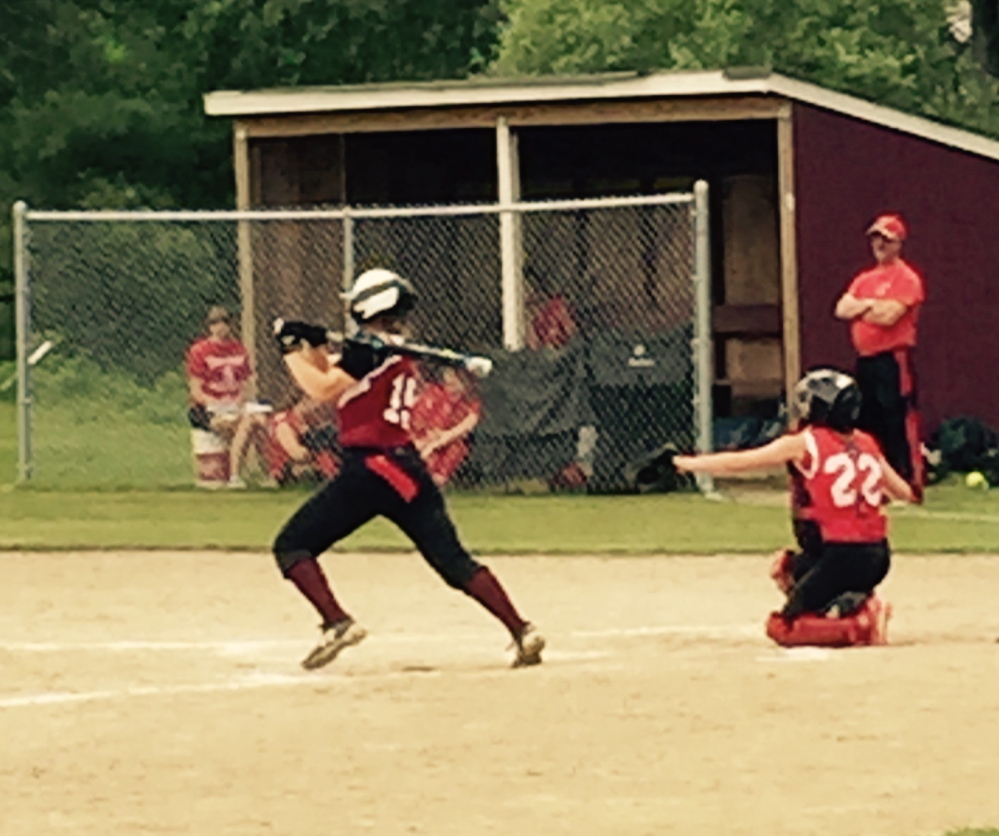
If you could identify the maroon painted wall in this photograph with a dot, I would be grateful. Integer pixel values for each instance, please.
(846, 172)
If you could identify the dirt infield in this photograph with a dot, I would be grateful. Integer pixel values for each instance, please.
(160, 694)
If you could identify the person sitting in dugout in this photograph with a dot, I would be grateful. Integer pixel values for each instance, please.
(303, 445)
(839, 478)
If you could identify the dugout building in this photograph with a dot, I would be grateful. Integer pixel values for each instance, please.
(795, 171)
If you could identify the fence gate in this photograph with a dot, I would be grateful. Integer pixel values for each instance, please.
(596, 312)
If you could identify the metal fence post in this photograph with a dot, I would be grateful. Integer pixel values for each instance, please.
(703, 345)
(347, 279)
(22, 326)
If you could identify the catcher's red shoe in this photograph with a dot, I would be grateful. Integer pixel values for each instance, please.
(780, 569)
(867, 626)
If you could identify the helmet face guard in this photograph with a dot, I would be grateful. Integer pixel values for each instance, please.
(828, 398)
(380, 292)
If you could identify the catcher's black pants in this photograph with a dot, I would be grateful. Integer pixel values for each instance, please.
(887, 384)
(390, 483)
(821, 575)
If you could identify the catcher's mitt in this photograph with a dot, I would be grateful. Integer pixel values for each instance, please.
(656, 473)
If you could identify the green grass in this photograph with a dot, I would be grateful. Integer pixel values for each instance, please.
(954, 519)
(8, 443)
(989, 831)
(41, 519)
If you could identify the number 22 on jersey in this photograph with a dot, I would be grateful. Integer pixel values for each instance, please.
(848, 471)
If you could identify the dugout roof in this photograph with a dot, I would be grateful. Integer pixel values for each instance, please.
(733, 82)
(795, 170)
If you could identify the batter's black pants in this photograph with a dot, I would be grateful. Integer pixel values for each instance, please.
(390, 483)
(822, 575)
(888, 410)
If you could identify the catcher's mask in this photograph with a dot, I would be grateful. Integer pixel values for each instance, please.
(828, 398)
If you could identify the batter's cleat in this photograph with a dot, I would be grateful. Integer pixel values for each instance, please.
(336, 637)
(528, 644)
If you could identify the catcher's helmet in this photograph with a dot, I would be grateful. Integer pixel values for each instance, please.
(380, 292)
(828, 398)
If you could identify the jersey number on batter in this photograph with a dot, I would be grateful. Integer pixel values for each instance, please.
(401, 401)
(844, 487)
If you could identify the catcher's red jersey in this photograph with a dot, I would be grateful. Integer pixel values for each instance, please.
(841, 485)
(376, 411)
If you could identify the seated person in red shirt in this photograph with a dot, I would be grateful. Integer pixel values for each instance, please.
(838, 479)
(442, 420)
(302, 444)
(218, 373)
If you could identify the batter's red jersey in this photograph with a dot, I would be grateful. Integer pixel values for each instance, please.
(222, 366)
(840, 485)
(376, 411)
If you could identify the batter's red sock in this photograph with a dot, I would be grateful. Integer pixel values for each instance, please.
(485, 589)
(308, 576)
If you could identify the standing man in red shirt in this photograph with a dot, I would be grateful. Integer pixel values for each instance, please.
(381, 472)
(838, 477)
(882, 305)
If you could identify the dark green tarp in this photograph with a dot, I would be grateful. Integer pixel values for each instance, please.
(634, 389)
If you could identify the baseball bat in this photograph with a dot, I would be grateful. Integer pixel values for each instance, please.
(475, 364)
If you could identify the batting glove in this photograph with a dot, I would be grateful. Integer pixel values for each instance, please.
(291, 336)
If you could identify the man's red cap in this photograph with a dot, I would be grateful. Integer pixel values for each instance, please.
(891, 227)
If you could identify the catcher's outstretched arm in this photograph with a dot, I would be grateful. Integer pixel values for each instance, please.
(777, 452)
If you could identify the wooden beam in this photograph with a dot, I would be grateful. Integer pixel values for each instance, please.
(511, 243)
(790, 311)
(244, 240)
(743, 320)
(683, 109)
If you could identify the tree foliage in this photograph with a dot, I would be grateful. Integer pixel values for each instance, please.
(898, 53)
(101, 100)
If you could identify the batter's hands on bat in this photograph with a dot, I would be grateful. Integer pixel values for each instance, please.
(292, 335)
(478, 366)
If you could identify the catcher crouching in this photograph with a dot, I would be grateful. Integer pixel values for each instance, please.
(839, 479)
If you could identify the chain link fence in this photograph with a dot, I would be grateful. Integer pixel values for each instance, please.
(590, 310)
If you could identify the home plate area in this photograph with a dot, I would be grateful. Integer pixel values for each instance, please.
(162, 693)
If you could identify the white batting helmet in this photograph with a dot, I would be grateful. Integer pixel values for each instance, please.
(378, 292)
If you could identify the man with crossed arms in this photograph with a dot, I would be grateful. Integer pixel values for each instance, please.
(882, 305)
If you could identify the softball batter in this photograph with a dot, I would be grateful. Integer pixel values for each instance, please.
(382, 474)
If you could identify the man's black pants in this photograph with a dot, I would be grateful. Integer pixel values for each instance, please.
(888, 411)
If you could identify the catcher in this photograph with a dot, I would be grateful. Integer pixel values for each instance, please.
(839, 479)
(381, 472)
